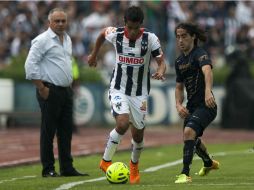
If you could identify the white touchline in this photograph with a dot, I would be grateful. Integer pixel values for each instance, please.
(224, 184)
(151, 169)
(17, 178)
(201, 184)
(169, 164)
(15, 162)
(72, 184)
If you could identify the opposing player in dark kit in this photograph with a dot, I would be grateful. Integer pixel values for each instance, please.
(194, 73)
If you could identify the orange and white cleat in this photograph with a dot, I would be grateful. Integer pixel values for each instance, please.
(104, 165)
(134, 173)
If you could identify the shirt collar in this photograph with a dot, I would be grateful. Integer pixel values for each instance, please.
(52, 34)
(140, 33)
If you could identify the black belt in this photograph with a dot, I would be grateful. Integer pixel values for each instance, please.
(48, 84)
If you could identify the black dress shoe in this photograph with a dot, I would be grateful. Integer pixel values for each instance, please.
(50, 174)
(73, 173)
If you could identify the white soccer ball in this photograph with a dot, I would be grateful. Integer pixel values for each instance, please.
(118, 173)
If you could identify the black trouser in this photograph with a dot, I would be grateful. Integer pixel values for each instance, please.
(56, 118)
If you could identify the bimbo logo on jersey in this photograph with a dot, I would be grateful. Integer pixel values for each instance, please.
(131, 60)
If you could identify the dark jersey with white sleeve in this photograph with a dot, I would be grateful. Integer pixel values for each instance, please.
(131, 73)
(189, 71)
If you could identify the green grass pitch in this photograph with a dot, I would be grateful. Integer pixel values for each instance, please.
(236, 171)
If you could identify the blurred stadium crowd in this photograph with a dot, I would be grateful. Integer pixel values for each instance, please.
(230, 25)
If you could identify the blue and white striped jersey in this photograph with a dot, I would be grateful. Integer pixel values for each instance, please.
(131, 73)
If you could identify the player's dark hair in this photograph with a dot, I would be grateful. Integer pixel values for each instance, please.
(193, 29)
(134, 14)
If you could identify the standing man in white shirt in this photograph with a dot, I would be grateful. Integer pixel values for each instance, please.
(48, 65)
(130, 83)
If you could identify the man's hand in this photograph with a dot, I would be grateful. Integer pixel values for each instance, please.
(182, 111)
(160, 73)
(209, 99)
(158, 76)
(92, 62)
(44, 92)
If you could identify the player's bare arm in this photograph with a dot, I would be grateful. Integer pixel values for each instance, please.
(179, 97)
(209, 98)
(159, 74)
(92, 58)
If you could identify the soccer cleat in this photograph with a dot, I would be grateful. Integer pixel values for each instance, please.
(134, 173)
(104, 165)
(182, 178)
(205, 170)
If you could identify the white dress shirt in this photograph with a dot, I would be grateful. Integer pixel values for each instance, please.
(49, 60)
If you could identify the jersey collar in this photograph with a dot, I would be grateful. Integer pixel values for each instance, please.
(126, 34)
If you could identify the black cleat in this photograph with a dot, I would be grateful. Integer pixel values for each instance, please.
(50, 174)
(73, 173)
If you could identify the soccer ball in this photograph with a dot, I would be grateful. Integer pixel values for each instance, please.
(118, 173)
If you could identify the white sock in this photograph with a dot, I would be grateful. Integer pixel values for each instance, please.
(113, 141)
(136, 151)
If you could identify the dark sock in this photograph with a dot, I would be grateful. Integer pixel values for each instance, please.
(203, 154)
(188, 151)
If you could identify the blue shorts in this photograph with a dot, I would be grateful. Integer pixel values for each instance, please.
(200, 118)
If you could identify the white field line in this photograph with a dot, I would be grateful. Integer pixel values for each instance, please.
(201, 184)
(170, 164)
(155, 168)
(72, 184)
(16, 162)
(223, 184)
(17, 178)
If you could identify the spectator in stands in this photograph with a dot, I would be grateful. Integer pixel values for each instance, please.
(209, 14)
(176, 12)
(232, 26)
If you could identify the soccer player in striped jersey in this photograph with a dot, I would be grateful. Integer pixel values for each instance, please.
(130, 83)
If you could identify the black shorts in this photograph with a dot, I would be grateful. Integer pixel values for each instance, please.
(200, 119)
